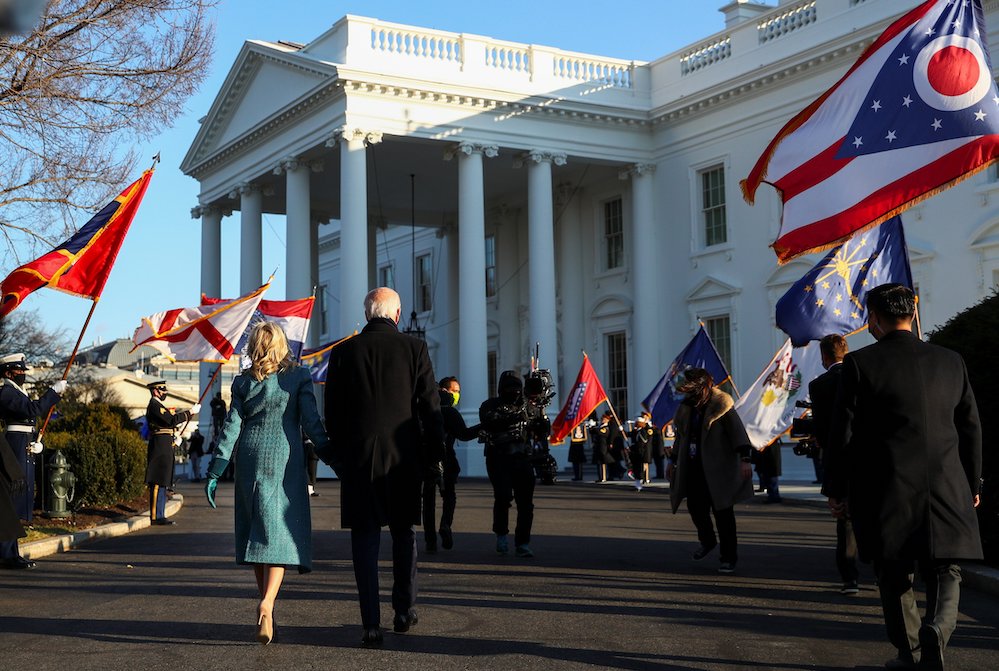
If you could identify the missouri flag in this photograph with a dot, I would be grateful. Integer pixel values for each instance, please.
(82, 264)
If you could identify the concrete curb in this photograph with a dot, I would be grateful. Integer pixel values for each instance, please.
(66, 542)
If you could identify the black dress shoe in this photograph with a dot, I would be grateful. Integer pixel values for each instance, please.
(447, 538)
(163, 522)
(931, 648)
(17, 564)
(432, 547)
(403, 621)
(372, 638)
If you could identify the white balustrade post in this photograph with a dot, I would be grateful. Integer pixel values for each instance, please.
(250, 248)
(353, 225)
(541, 258)
(645, 313)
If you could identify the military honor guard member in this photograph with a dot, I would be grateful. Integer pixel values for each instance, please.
(643, 439)
(162, 422)
(577, 450)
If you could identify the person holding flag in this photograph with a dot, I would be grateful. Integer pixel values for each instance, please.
(709, 464)
(162, 422)
(586, 395)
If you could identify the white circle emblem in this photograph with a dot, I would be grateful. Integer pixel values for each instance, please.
(941, 101)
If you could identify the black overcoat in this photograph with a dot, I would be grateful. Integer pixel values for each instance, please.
(822, 392)
(10, 472)
(159, 455)
(383, 409)
(905, 449)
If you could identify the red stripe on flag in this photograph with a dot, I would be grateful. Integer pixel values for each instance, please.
(208, 331)
(821, 167)
(169, 320)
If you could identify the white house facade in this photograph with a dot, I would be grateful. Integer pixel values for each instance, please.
(516, 194)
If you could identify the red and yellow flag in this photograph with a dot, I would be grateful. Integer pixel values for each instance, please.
(584, 398)
(82, 264)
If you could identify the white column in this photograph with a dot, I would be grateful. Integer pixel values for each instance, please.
(645, 313)
(472, 343)
(570, 274)
(211, 285)
(314, 324)
(250, 249)
(453, 312)
(298, 237)
(373, 229)
(353, 225)
(541, 257)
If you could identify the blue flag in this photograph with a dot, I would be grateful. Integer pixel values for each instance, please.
(700, 352)
(832, 296)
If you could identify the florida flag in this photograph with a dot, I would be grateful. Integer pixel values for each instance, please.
(204, 333)
(292, 316)
(82, 264)
(917, 113)
(584, 398)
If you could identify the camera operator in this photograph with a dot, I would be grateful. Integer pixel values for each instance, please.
(822, 390)
(512, 425)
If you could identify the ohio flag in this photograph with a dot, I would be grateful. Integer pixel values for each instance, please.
(584, 398)
(917, 113)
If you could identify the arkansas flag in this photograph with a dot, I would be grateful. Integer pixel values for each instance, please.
(82, 264)
(585, 396)
(205, 333)
(916, 114)
(292, 316)
(768, 407)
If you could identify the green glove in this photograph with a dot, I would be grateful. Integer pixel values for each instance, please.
(210, 487)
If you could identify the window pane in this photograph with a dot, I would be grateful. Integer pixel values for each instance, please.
(617, 371)
(491, 373)
(613, 234)
(490, 266)
(321, 306)
(386, 276)
(424, 290)
(720, 331)
(713, 206)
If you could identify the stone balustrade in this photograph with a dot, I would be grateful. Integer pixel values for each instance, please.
(781, 23)
(706, 54)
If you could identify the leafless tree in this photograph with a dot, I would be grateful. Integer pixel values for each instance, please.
(24, 331)
(93, 77)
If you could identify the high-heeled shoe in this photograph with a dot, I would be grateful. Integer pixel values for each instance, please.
(265, 627)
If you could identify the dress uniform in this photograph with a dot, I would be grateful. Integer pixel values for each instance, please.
(159, 459)
(19, 414)
(601, 447)
(643, 438)
(577, 450)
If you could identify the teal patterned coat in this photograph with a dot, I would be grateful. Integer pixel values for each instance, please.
(262, 436)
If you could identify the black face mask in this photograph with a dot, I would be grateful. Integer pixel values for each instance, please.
(19, 378)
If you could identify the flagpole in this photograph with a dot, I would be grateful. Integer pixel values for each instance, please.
(69, 364)
(204, 393)
(919, 324)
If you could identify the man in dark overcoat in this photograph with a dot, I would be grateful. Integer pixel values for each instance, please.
(11, 483)
(382, 403)
(905, 458)
(162, 422)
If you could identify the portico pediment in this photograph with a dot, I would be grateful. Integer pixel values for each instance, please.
(265, 79)
(712, 287)
(790, 272)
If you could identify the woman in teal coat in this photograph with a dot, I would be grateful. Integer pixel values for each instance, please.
(271, 403)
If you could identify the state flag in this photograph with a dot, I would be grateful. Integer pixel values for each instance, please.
(587, 393)
(700, 352)
(292, 316)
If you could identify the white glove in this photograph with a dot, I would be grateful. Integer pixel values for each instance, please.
(35, 447)
(196, 408)
(60, 386)
(177, 440)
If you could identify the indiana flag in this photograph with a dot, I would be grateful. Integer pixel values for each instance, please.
(584, 398)
(292, 316)
(82, 264)
(318, 359)
(917, 113)
(204, 333)
(768, 407)
(832, 296)
(700, 352)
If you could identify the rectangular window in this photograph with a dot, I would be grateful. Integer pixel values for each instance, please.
(424, 288)
(320, 307)
(613, 234)
(720, 331)
(386, 276)
(713, 206)
(491, 373)
(490, 266)
(617, 371)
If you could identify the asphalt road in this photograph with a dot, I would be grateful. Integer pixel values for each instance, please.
(612, 586)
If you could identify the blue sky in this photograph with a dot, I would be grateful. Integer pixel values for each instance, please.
(159, 264)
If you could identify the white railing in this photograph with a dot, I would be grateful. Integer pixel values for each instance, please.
(510, 58)
(854, 3)
(583, 69)
(704, 55)
(416, 43)
(788, 21)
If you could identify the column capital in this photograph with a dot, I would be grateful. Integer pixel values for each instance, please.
(290, 164)
(537, 156)
(199, 211)
(348, 133)
(468, 148)
(637, 170)
(243, 188)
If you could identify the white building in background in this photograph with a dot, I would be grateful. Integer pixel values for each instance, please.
(582, 202)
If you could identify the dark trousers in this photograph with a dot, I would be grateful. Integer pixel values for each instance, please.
(9, 550)
(898, 600)
(700, 507)
(364, 545)
(157, 502)
(312, 469)
(846, 550)
(660, 463)
(577, 471)
(449, 499)
(512, 478)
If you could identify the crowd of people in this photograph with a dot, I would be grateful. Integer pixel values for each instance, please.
(896, 424)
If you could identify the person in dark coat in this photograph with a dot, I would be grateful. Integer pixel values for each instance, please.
(577, 449)
(454, 429)
(709, 465)
(659, 453)
(822, 392)
(905, 460)
(196, 450)
(602, 437)
(19, 415)
(159, 456)
(311, 465)
(383, 406)
(12, 481)
(643, 437)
